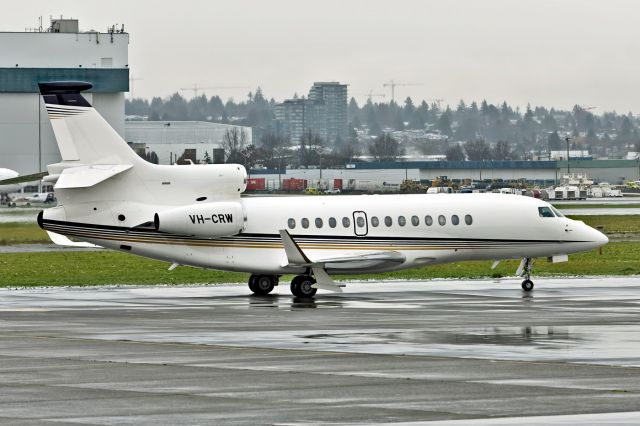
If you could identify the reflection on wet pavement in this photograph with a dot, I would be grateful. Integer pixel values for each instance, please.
(381, 352)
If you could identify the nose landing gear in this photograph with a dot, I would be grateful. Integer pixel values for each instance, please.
(526, 267)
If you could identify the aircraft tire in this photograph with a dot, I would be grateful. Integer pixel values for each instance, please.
(262, 284)
(527, 285)
(295, 285)
(301, 286)
(252, 282)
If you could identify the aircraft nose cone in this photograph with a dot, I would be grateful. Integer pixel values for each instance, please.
(597, 237)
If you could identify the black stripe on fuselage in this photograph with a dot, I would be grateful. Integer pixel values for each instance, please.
(95, 231)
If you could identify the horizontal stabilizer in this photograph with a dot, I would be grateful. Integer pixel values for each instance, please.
(87, 176)
(61, 240)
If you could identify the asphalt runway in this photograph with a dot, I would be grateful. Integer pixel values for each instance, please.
(454, 352)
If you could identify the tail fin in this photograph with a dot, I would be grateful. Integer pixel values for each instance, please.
(82, 134)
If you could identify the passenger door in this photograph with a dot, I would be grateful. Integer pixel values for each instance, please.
(360, 223)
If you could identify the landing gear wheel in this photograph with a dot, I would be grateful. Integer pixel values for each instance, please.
(527, 285)
(262, 284)
(301, 286)
(252, 282)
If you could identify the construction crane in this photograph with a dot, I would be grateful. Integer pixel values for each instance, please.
(438, 101)
(393, 84)
(195, 88)
(371, 95)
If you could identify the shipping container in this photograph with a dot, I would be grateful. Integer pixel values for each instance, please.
(256, 184)
(293, 184)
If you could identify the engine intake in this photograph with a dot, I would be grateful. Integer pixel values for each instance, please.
(219, 219)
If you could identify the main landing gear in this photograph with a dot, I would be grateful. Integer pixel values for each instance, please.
(527, 284)
(262, 284)
(301, 286)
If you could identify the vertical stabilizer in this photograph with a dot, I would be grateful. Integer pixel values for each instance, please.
(83, 136)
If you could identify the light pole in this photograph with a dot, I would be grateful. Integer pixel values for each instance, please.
(568, 167)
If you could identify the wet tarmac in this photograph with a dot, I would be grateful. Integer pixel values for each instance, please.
(394, 352)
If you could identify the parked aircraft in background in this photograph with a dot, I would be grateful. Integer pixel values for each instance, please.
(195, 215)
(7, 188)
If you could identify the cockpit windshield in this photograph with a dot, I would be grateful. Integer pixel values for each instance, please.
(557, 212)
(545, 212)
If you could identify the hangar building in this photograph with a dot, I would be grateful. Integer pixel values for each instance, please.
(61, 52)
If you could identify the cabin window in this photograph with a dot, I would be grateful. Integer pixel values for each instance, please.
(374, 221)
(402, 221)
(428, 220)
(305, 223)
(346, 222)
(468, 219)
(455, 219)
(388, 221)
(415, 221)
(291, 223)
(360, 222)
(318, 222)
(545, 212)
(442, 220)
(332, 222)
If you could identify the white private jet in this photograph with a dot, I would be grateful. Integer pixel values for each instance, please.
(7, 175)
(11, 182)
(195, 215)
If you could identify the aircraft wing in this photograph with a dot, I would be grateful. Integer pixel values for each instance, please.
(24, 178)
(296, 257)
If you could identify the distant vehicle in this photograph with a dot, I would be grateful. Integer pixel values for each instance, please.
(196, 216)
(332, 191)
(41, 197)
(440, 190)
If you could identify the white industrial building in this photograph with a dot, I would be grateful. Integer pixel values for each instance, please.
(170, 139)
(61, 52)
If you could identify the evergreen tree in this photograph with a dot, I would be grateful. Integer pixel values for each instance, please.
(553, 142)
(444, 123)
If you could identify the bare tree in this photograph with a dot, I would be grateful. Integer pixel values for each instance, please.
(455, 153)
(501, 151)
(233, 143)
(385, 148)
(477, 150)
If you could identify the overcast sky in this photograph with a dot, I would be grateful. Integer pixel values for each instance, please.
(544, 52)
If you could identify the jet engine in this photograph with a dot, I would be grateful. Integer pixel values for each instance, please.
(219, 219)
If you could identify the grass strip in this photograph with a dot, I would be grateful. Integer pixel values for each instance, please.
(108, 267)
(22, 233)
(595, 206)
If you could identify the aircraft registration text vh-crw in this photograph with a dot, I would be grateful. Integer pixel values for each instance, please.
(195, 215)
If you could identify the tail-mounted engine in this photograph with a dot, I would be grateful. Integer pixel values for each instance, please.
(219, 219)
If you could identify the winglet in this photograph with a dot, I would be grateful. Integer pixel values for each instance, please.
(295, 255)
